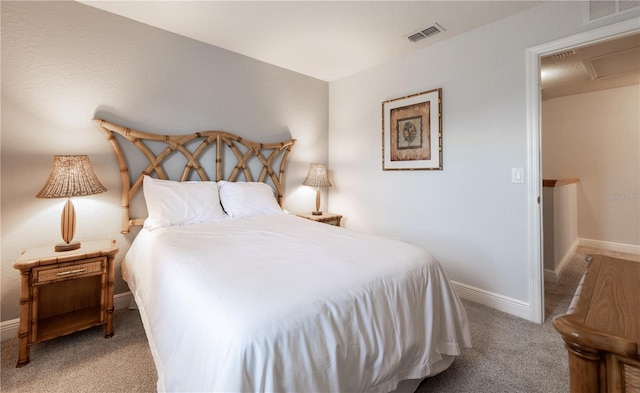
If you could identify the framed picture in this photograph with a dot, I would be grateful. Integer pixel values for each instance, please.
(412, 132)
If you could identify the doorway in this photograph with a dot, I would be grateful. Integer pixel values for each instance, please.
(534, 111)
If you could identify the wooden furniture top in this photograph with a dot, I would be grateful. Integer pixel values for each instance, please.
(607, 314)
(247, 160)
(559, 182)
(320, 217)
(46, 255)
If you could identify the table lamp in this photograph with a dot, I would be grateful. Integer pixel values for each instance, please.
(317, 177)
(70, 176)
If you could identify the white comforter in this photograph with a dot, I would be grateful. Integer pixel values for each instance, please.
(284, 304)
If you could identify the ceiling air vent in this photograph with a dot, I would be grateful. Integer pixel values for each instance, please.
(625, 5)
(613, 64)
(564, 55)
(599, 9)
(424, 33)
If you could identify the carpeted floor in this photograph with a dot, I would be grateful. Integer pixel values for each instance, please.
(508, 355)
(85, 361)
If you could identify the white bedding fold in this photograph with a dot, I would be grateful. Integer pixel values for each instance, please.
(282, 304)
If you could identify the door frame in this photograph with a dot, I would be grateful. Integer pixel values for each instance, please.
(534, 134)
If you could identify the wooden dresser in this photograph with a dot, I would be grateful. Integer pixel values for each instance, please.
(602, 329)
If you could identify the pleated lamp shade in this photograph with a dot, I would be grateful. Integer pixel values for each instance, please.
(70, 176)
(317, 177)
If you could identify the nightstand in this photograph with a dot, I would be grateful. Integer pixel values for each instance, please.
(64, 292)
(327, 218)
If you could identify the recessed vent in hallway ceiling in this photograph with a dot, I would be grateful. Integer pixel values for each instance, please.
(426, 32)
(614, 64)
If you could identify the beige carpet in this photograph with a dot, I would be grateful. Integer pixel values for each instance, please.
(85, 362)
(508, 355)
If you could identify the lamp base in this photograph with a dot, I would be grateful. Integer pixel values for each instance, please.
(73, 245)
(316, 213)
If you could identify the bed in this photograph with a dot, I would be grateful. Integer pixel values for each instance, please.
(236, 295)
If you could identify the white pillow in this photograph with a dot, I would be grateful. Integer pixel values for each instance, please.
(180, 203)
(246, 199)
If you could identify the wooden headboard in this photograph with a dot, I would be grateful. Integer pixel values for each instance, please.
(251, 161)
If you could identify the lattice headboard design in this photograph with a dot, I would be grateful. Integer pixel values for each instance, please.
(251, 161)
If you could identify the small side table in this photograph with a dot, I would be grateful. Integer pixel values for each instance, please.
(64, 292)
(327, 218)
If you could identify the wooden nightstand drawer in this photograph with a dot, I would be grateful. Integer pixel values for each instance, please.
(45, 275)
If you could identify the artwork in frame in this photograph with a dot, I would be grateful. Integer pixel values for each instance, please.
(412, 132)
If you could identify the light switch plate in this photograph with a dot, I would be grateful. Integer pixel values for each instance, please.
(517, 175)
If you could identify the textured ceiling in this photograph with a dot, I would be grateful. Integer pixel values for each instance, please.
(605, 65)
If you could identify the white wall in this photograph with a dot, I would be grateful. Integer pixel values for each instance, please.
(566, 221)
(470, 215)
(596, 137)
(548, 229)
(64, 63)
(560, 209)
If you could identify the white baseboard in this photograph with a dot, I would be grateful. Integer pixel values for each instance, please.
(611, 246)
(499, 302)
(121, 300)
(550, 275)
(9, 329)
(523, 309)
(554, 275)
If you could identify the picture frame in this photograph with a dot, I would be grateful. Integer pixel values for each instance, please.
(412, 132)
